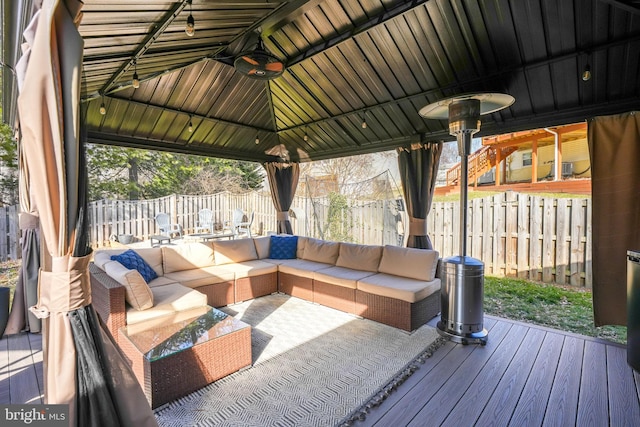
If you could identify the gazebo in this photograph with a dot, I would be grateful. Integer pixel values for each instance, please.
(284, 82)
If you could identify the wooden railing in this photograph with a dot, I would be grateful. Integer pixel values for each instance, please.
(478, 164)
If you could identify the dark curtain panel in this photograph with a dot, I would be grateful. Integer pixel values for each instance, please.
(283, 181)
(614, 148)
(418, 171)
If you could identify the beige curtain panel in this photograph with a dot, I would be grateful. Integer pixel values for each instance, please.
(614, 148)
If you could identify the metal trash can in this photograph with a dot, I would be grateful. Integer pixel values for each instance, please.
(462, 295)
(633, 309)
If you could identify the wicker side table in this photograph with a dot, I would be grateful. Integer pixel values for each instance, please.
(183, 354)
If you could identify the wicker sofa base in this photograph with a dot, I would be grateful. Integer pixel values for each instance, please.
(397, 313)
(334, 296)
(256, 286)
(299, 287)
(218, 294)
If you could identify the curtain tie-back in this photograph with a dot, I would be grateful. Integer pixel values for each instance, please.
(66, 288)
(282, 216)
(417, 226)
(28, 221)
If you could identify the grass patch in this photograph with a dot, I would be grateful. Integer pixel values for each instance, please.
(9, 276)
(558, 307)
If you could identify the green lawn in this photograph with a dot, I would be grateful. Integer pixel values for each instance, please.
(558, 307)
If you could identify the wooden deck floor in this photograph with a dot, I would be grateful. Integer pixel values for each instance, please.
(525, 376)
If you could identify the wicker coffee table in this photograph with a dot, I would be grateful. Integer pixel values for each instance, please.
(178, 354)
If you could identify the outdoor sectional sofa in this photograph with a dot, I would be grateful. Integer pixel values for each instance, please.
(392, 285)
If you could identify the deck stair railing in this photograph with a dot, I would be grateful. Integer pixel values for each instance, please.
(480, 163)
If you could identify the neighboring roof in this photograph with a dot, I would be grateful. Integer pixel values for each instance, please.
(347, 61)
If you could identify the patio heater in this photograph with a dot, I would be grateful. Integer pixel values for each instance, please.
(462, 285)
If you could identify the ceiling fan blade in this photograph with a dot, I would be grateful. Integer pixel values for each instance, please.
(250, 60)
(275, 66)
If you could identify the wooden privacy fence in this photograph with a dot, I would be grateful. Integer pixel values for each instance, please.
(520, 235)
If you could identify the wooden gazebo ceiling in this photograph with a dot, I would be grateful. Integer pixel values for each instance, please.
(347, 62)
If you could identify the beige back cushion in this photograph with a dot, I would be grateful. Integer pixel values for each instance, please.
(187, 256)
(239, 250)
(263, 245)
(302, 241)
(359, 257)
(152, 256)
(321, 251)
(136, 291)
(414, 263)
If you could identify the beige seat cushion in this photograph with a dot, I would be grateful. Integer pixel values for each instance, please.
(136, 291)
(161, 281)
(251, 268)
(187, 256)
(168, 299)
(341, 276)
(301, 267)
(402, 288)
(420, 264)
(359, 257)
(152, 256)
(321, 251)
(230, 251)
(202, 276)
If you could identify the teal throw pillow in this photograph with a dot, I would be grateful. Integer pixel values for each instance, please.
(133, 261)
(283, 247)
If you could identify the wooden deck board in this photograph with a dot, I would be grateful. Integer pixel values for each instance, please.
(593, 407)
(623, 395)
(533, 401)
(500, 406)
(525, 375)
(437, 409)
(563, 398)
(482, 388)
(23, 378)
(5, 395)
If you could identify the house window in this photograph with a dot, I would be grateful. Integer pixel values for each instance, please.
(526, 159)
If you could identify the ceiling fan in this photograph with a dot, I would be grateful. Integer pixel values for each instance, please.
(259, 63)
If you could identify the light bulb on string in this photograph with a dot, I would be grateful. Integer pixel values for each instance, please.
(136, 81)
(103, 108)
(190, 29)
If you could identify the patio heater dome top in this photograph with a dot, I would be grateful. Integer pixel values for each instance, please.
(489, 103)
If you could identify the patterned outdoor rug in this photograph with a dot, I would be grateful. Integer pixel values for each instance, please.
(312, 366)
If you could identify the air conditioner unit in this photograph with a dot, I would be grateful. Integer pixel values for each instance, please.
(567, 169)
(488, 178)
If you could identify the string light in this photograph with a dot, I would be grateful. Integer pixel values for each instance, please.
(136, 81)
(586, 74)
(306, 137)
(257, 140)
(190, 29)
(103, 109)
(364, 120)
(190, 125)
